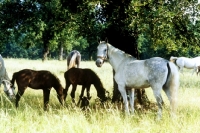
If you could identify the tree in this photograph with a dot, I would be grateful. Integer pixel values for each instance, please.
(37, 22)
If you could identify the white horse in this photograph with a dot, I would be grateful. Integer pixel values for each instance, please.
(5, 80)
(73, 59)
(156, 73)
(184, 62)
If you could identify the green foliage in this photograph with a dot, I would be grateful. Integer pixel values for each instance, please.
(152, 26)
(166, 26)
(16, 51)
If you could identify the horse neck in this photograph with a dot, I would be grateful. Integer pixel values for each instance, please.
(99, 88)
(57, 84)
(116, 56)
(2, 62)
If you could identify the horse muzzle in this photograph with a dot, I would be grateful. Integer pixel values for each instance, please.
(99, 62)
(10, 94)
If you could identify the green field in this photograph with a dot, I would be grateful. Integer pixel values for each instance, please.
(31, 118)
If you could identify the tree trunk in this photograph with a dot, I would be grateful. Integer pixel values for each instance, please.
(61, 52)
(45, 53)
(46, 36)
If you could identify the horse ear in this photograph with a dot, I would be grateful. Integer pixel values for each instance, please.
(98, 40)
(106, 40)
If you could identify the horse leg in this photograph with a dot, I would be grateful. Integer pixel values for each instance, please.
(131, 98)
(46, 93)
(18, 96)
(88, 91)
(81, 95)
(73, 92)
(194, 70)
(159, 100)
(181, 69)
(65, 91)
(124, 96)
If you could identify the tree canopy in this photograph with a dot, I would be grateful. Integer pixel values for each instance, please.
(143, 28)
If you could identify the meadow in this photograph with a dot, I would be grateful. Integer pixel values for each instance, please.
(30, 116)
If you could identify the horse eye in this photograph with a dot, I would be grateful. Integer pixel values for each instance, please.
(105, 50)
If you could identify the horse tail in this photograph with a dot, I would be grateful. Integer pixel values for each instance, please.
(72, 62)
(173, 59)
(13, 79)
(172, 84)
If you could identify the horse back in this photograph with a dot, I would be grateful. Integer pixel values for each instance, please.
(80, 76)
(189, 63)
(142, 73)
(35, 79)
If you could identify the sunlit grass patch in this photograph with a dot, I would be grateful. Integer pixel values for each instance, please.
(30, 116)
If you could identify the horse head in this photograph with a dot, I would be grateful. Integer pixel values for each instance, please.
(85, 101)
(104, 96)
(102, 53)
(9, 89)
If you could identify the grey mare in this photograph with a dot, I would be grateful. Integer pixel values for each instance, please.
(5, 80)
(73, 59)
(156, 72)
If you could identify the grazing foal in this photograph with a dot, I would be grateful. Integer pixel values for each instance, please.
(44, 80)
(84, 77)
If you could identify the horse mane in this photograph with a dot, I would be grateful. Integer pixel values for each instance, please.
(57, 83)
(101, 91)
(122, 52)
(98, 79)
(1, 61)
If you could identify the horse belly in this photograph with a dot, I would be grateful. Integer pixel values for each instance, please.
(135, 75)
(141, 74)
(34, 84)
(137, 84)
(185, 62)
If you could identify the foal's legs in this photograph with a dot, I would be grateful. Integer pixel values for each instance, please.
(66, 90)
(73, 92)
(81, 95)
(46, 93)
(88, 91)
(19, 94)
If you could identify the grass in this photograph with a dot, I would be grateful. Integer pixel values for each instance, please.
(30, 117)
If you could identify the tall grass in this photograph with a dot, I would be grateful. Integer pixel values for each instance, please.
(30, 117)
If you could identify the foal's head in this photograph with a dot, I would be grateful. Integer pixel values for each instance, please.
(84, 102)
(102, 94)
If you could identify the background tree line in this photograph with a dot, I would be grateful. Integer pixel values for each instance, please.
(144, 28)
